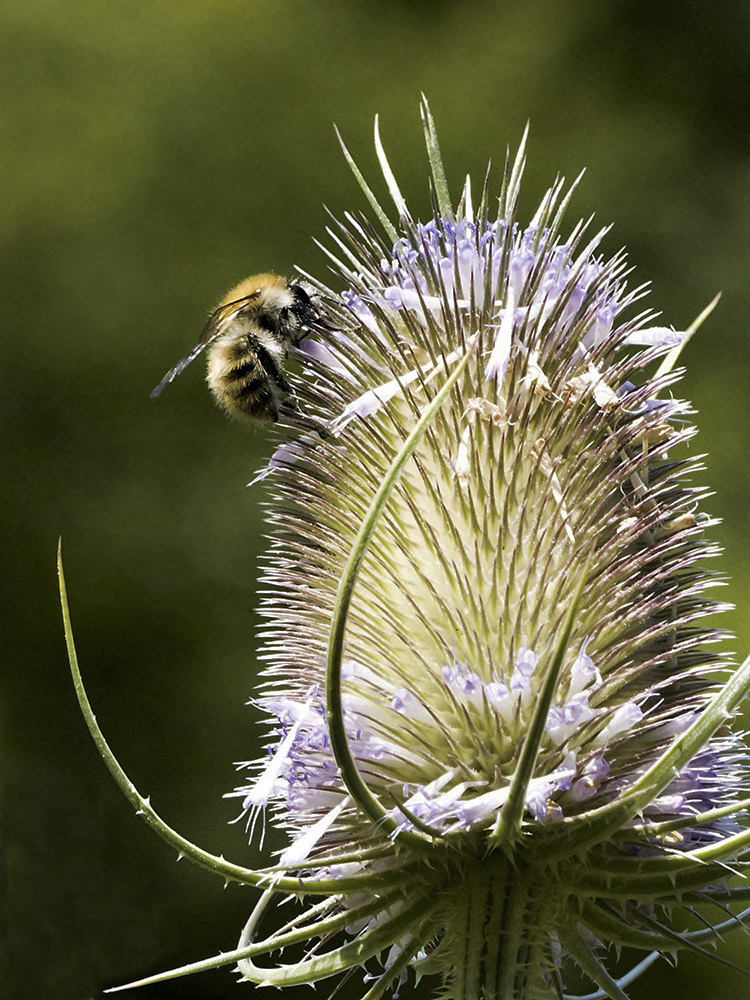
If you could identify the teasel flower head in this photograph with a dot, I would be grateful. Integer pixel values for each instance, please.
(500, 740)
(500, 735)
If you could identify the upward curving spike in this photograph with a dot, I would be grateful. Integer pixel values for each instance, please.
(390, 179)
(436, 161)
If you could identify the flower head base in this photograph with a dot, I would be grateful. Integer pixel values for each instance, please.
(500, 738)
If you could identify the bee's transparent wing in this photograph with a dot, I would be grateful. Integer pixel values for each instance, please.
(179, 367)
(216, 325)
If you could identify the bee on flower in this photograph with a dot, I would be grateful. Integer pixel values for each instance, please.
(500, 737)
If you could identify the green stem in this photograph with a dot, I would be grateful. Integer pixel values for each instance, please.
(499, 954)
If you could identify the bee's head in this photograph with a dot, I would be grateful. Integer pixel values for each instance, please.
(305, 305)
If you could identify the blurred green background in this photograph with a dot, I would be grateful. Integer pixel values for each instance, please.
(155, 153)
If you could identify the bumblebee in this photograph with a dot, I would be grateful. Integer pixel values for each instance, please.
(248, 337)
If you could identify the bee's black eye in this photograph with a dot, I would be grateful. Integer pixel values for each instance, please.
(302, 307)
(300, 295)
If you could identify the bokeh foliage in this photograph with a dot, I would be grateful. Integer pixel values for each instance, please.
(152, 155)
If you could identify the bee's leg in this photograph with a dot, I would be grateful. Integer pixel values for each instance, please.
(286, 409)
(270, 366)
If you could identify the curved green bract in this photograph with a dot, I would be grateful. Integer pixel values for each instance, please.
(591, 965)
(689, 941)
(184, 847)
(650, 829)
(625, 980)
(350, 775)
(354, 953)
(601, 824)
(672, 358)
(408, 953)
(666, 886)
(652, 934)
(509, 821)
(319, 929)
